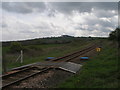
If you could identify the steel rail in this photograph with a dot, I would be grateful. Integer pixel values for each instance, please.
(21, 79)
(79, 54)
(19, 71)
(66, 56)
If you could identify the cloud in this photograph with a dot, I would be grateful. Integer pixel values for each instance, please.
(33, 20)
(23, 7)
(4, 25)
(67, 7)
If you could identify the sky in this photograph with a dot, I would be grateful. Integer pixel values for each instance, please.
(29, 20)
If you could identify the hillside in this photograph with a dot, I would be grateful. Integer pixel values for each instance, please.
(49, 40)
(39, 52)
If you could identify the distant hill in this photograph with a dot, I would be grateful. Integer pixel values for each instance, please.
(49, 40)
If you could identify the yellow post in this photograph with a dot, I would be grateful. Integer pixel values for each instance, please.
(98, 49)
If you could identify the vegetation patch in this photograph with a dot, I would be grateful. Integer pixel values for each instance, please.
(100, 72)
(38, 53)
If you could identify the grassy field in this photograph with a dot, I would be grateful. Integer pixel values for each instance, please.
(38, 53)
(100, 72)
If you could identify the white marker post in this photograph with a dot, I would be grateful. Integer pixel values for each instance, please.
(21, 56)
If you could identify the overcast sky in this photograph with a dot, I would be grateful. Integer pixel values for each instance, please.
(29, 20)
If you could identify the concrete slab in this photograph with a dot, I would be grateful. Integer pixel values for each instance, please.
(71, 67)
(67, 66)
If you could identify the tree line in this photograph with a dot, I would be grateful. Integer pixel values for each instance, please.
(115, 36)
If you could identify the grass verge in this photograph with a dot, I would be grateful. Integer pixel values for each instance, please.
(100, 72)
(49, 50)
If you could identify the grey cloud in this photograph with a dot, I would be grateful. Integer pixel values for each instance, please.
(67, 7)
(54, 19)
(119, 12)
(26, 31)
(93, 21)
(108, 24)
(102, 23)
(4, 25)
(51, 12)
(64, 7)
(22, 7)
(105, 13)
(42, 27)
(16, 7)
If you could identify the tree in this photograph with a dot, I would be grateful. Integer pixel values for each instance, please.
(115, 35)
(15, 47)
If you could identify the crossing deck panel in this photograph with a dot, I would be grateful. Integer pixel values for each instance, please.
(67, 66)
(71, 67)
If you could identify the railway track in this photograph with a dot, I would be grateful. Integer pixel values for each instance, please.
(11, 79)
(71, 56)
(30, 71)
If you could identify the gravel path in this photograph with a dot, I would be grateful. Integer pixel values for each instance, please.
(46, 80)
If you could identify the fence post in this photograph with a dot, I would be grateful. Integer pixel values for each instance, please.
(21, 56)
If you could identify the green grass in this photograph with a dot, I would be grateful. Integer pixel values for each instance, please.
(47, 50)
(100, 72)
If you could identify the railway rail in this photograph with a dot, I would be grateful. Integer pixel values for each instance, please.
(11, 79)
(30, 71)
(75, 54)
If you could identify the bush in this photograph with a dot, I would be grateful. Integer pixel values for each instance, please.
(15, 47)
(115, 35)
